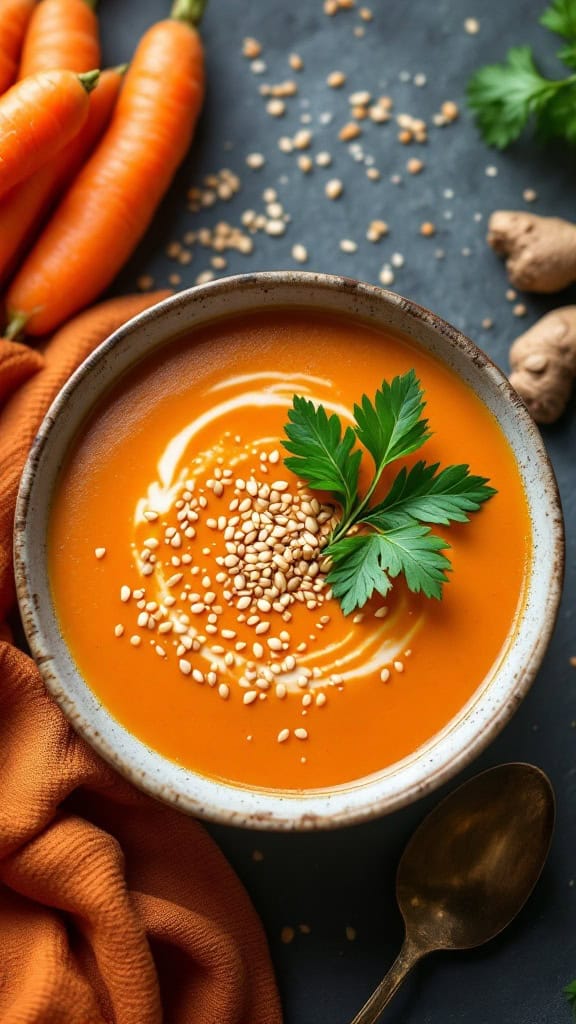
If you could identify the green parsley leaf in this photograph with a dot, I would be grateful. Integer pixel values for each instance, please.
(323, 457)
(390, 537)
(422, 493)
(366, 562)
(392, 427)
(505, 96)
(560, 18)
(570, 993)
(560, 120)
(357, 570)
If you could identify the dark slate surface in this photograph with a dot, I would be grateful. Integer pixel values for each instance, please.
(346, 879)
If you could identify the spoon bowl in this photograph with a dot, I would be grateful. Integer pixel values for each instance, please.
(469, 868)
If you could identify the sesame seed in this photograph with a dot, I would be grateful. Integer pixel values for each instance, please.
(427, 229)
(275, 228)
(386, 275)
(414, 166)
(471, 26)
(336, 79)
(299, 253)
(323, 159)
(450, 111)
(334, 188)
(349, 131)
(276, 107)
(385, 675)
(360, 99)
(283, 735)
(125, 594)
(377, 229)
(399, 666)
(251, 48)
(119, 630)
(250, 696)
(100, 552)
(347, 245)
(301, 734)
(185, 667)
(255, 161)
(224, 691)
(302, 139)
(135, 640)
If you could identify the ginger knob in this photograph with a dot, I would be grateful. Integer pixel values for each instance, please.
(543, 362)
(540, 251)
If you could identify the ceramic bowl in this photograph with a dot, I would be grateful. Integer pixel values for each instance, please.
(464, 736)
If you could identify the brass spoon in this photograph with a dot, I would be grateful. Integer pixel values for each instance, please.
(469, 868)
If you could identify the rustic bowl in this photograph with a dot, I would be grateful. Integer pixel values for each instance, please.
(478, 722)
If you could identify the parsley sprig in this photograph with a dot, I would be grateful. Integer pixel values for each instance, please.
(391, 537)
(570, 993)
(506, 97)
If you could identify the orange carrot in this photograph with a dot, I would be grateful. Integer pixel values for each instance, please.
(25, 207)
(14, 18)
(61, 34)
(113, 199)
(38, 116)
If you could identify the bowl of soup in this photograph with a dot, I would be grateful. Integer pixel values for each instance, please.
(170, 570)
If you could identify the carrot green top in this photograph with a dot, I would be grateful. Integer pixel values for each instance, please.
(190, 11)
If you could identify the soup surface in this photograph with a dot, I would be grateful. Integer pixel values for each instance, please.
(187, 573)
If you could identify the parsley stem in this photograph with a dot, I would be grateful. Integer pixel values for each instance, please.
(355, 515)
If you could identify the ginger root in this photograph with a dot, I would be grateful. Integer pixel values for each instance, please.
(540, 251)
(543, 362)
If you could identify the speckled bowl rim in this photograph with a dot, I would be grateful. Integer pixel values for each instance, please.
(464, 737)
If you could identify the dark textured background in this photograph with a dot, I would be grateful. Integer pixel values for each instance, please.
(346, 878)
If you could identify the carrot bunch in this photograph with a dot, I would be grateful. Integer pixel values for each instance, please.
(85, 159)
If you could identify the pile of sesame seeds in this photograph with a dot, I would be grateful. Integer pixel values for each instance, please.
(222, 612)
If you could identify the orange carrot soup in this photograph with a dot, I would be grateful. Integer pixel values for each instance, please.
(187, 569)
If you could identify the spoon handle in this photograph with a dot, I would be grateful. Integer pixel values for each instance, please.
(407, 958)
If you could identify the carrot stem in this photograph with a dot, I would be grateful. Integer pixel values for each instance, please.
(89, 79)
(190, 11)
(16, 325)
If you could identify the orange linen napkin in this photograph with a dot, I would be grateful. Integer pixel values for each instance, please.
(114, 909)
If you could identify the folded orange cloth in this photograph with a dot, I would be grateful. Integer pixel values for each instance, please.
(114, 909)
